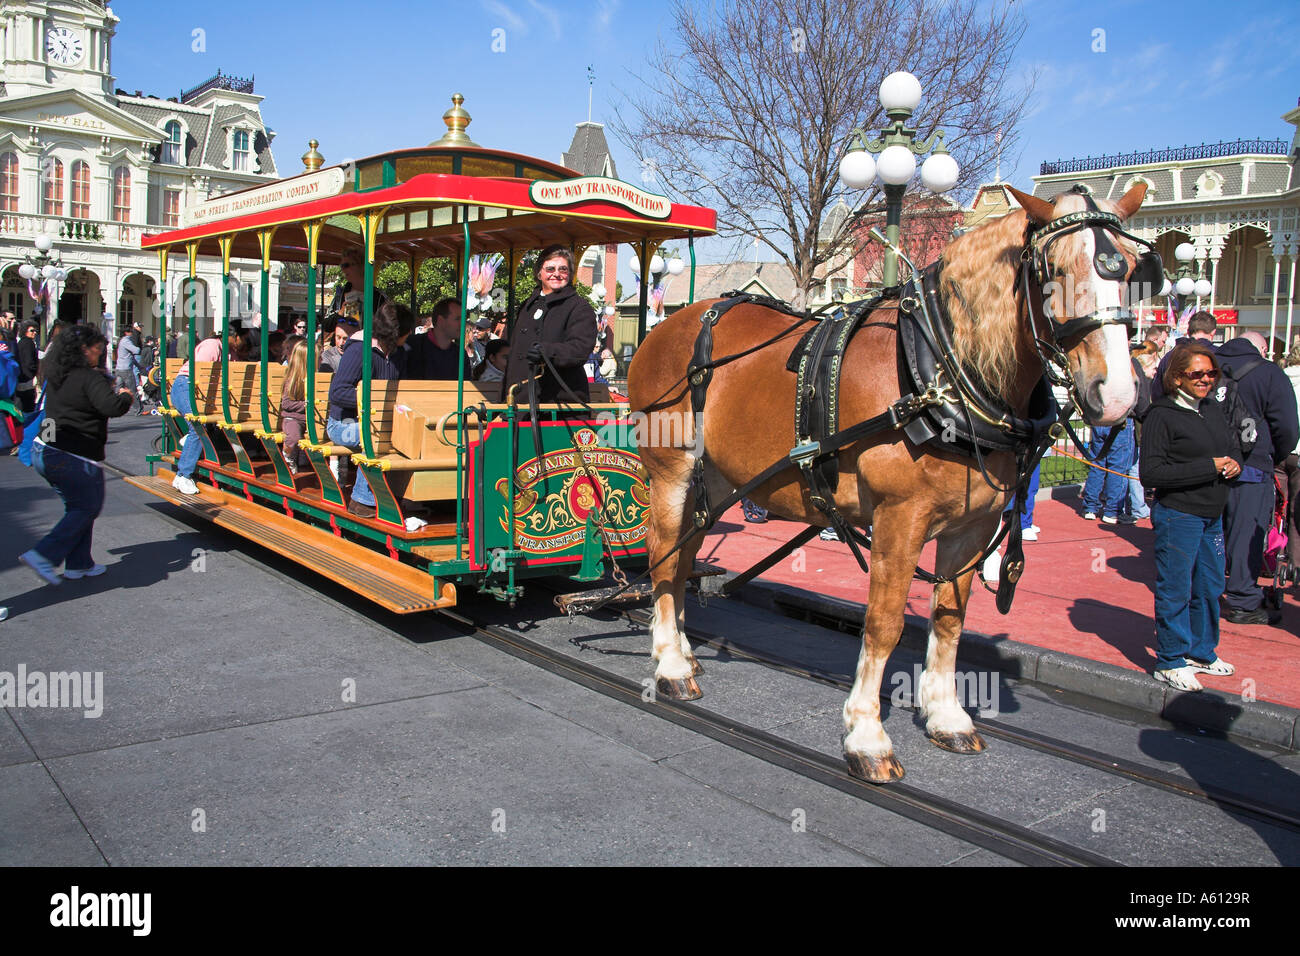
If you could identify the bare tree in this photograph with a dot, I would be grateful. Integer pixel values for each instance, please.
(750, 109)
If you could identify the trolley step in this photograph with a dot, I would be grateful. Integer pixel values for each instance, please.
(389, 583)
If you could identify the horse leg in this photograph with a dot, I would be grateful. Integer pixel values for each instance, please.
(896, 547)
(669, 520)
(947, 723)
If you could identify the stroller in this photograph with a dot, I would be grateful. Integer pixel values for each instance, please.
(1277, 561)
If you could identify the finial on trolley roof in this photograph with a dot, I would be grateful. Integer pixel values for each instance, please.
(312, 159)
(457, 119)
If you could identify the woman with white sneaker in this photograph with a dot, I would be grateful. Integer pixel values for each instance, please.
(1189, 454)
(79, 401)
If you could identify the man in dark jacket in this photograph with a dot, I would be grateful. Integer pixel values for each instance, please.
(555, 326)
(28, 365)
(1268, 396)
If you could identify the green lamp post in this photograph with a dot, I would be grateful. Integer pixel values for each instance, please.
(897, 147)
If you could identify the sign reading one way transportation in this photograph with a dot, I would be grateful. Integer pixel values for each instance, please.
(568, 192)
(286, 192)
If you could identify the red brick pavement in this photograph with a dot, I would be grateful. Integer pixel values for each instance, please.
(1086, 590)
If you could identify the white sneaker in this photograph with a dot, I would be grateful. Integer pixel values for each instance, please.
(828, 534)
(1029, 534)
(1090, 516)
(1036, 528)
(185, 486)
(1180, 678)
(1110, 519)
(992, 567)
(36, 561)
(94, 571)
(1220, 667)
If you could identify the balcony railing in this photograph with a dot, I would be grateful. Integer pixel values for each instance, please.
(222, 81)
(1179, 154)
(68, 231)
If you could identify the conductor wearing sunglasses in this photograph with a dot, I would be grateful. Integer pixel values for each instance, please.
(1189, 455)
(553, 333)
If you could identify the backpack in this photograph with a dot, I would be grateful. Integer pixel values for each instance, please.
(1240, 419)
(9, 372)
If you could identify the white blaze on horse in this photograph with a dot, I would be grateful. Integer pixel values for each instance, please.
(1043, 290)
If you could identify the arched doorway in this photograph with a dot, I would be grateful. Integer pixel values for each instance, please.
(81, 300)
(13, 294)
(136, 304)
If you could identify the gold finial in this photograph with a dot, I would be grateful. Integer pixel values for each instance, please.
(456, 119)
(312, 159)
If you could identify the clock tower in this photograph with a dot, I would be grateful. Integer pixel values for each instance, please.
(55, 44)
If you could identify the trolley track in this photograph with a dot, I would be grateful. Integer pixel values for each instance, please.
(1006, 839)
(1029, 739)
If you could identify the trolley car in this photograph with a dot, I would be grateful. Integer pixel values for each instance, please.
(494, 511)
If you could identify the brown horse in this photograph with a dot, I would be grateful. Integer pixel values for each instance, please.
(907, 494)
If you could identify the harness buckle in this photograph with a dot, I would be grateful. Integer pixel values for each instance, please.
(805, 452)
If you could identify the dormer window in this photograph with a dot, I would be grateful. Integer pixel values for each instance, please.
(239, 160)
(171, 147)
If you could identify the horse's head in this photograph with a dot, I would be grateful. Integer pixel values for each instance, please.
(1085, 273)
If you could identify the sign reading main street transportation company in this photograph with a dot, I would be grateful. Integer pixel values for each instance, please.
(568, 192)
(327, 182)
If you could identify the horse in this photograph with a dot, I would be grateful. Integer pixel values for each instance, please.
(907, 494)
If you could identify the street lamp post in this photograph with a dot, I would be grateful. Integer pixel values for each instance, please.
(898, 148)
(1186, 281)
(659, 267)
(46, 265)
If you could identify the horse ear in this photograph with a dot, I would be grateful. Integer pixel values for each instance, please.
(1039, 210)
(1131, 200)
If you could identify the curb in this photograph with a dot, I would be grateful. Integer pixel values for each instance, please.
(1212, 711)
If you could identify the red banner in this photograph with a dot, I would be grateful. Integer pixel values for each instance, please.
(1225, 316)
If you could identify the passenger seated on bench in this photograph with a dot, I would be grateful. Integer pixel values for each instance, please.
(293, 401)
(209, 350)
(392, 324)
(436, 355)
(337, 333)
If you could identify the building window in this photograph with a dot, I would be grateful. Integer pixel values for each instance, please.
(9, 183)
(16, 304)
(171, 148)
(52, 202)
(80, 190)
(171, 208)
(240, 145)
(125, 314)
(121, 194)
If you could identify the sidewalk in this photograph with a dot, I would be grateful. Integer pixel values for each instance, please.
(1086, 591)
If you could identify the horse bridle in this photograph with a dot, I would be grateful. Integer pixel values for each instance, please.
(1108, 263)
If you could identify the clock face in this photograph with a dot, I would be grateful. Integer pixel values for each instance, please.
(63, 46)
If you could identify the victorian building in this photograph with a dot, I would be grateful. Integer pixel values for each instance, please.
(1237, 204)
(94, 168)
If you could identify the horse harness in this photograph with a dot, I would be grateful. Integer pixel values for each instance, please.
(942, 403)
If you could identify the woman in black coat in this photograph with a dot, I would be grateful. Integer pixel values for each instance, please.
(555, 326)
(1189, 454)
(79, 401)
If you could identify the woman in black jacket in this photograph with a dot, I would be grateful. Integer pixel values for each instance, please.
(1189, 454)
(79, 400)
(28, 365)
(555, 326)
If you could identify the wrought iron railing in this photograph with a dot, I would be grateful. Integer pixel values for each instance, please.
(1179, 154)
(222, 81)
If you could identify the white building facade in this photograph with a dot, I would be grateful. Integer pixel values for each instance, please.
(1238, 204)
(94, 169)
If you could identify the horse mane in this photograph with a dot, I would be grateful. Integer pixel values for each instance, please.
(979, 276)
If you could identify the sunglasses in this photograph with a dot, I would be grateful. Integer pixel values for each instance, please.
(556, 270)
(1200, 376)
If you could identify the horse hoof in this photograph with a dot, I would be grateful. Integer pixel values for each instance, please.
(681, 689)
(884, 769)
(963, 743)
(696, 667)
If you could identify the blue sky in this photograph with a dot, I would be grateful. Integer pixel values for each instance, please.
(364, 77)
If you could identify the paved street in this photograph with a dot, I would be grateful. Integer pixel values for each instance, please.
(225, 736)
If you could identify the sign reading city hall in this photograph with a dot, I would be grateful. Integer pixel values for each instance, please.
(327, 182)
(567, 192)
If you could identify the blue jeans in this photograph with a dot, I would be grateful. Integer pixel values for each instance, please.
(1189, 580)
(348, 432)
(1102, 485)
(81, 486)
(1027, 519)
(1137, 495)
(194, 446)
